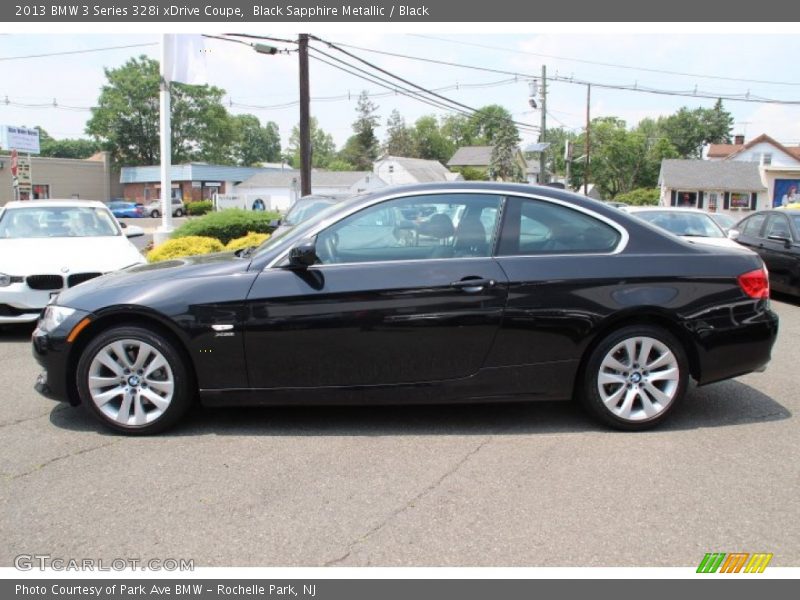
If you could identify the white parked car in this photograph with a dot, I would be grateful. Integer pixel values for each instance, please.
(50, 245)
(153, 209)
(689, 223)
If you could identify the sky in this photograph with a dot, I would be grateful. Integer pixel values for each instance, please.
(715, 63)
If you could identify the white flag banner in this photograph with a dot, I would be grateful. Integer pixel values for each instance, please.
(185, 58)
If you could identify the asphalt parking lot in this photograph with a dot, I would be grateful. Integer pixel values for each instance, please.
(503, 485)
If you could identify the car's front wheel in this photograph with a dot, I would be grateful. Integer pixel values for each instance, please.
(178, 212)
(635, 377)
(134, 380)
(155, 214)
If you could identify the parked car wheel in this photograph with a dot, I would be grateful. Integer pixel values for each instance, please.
(179, 212)
(155, 214)
(134, 380)
(635, 377)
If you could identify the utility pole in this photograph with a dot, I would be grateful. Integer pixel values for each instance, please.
(586, 149)
(542, 134)
(305, 126)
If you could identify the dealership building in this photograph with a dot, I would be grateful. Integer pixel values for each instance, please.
(93, 178)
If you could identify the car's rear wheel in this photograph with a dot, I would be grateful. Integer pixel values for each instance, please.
(155, 214)
(635, 377)
(134, 380)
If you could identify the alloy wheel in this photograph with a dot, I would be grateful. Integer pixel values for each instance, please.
(131, 382)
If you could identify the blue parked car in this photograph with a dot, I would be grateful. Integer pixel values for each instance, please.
(123, 209)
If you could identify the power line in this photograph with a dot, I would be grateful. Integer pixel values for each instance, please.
(606, 64)
(398, 89)
(458, 105)
(86, 51)
(696, 93)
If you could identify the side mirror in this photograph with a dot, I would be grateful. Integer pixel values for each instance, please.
(123, 224)
(275, 223)
(780, 238)
(733, 234)
(303, 256)
(132, 231)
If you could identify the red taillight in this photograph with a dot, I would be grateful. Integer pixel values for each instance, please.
(755, 283)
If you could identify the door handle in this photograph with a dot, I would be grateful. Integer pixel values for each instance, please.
(472, 286)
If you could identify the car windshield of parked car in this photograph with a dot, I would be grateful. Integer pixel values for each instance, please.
(683, 223)
(304, 210)
(57, 221)
(723, 220)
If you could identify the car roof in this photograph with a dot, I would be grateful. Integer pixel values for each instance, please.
(55, 202)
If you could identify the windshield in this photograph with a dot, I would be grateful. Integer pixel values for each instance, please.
(682, 223)
(725, 221)
(305, 209)
(57, 221)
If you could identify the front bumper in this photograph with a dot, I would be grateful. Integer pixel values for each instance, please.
(52, 351)
(20, 304)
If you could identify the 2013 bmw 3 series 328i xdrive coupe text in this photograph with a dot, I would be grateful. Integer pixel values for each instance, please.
(418, 294)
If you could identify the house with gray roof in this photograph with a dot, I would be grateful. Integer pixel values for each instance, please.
(480, 157)
(733, 187)
(278, 190)
(400, 170)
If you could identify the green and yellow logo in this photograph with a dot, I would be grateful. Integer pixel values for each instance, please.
(736, 562)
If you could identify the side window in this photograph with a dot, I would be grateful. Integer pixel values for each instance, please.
(753, 225)
(778, 225)
(540, 227)
(428, 227)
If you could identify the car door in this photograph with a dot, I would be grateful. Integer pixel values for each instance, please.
(779, 252)
(751, 233)
(405, 290)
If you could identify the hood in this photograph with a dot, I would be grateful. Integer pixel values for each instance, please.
(206, 265)
(29, 256)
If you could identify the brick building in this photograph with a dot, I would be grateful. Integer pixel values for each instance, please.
(190, 182)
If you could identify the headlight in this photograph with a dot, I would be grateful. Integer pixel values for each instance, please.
(5, 280)
(54, 316)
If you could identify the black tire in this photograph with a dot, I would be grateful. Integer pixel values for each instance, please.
(179, 213)
(154, 214)
(639, 382)
(183, 391)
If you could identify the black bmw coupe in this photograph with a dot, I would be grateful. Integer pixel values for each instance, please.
(456, 292)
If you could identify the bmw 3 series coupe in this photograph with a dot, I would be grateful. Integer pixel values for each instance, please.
(456, 292)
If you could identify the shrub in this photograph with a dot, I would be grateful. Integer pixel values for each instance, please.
(185, 246)
(640, 196)
(197, 209)
(251, 239)
(227, 225)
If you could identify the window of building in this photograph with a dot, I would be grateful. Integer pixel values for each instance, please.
(41, 192)
(740, 200)
(766, 158)
(686, 199)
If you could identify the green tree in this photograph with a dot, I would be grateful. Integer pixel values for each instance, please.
(429, 141)
(253, 143)
(125, 120)
(688, 130)
(640, 197)
(459, 129)
(488, 123)
(504, 165)
(399, 141)
(323, 148)
(621, 159)
(361, 149)
(65, 148)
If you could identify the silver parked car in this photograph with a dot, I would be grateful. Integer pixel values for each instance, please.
(153, 209)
